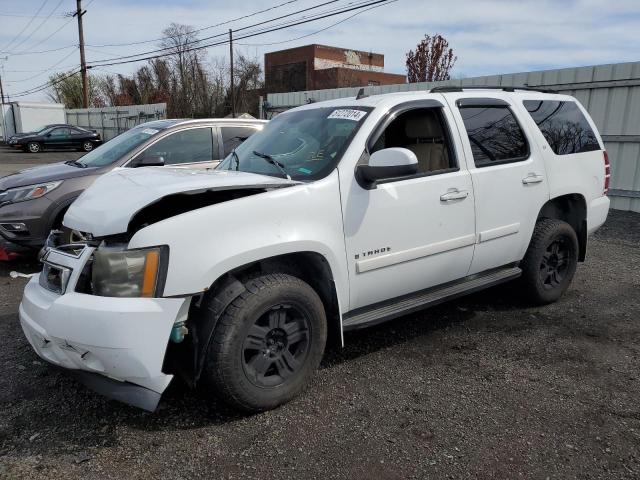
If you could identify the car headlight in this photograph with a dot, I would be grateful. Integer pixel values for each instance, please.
(128, 273)
(29, 192)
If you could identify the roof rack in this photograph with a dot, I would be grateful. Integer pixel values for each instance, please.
(453, 88)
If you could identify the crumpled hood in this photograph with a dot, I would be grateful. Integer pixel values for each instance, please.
(107, 207)
(44, 173)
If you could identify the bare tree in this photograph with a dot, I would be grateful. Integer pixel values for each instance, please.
(67, 89)
(431, 61)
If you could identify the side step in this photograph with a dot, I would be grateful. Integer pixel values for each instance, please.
(390, 309)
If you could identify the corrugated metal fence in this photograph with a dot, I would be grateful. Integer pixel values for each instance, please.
(112, 121)
(611, 94)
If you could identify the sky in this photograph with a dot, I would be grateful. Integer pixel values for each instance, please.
(488, 36)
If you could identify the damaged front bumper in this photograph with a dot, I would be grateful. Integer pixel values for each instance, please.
(117, 345)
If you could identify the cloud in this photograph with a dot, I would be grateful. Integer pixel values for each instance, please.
(488, 36)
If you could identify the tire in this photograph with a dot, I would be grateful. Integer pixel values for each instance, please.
(550, 262)
(87, 146)
(246, 364)
(33, 147)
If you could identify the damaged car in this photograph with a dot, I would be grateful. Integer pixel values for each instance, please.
(338, 215)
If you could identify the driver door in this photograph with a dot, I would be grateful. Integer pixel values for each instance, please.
(411, 233)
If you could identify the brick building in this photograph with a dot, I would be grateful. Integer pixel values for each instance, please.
(316, 67)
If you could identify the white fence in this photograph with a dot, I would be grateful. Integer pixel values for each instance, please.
(112, 121)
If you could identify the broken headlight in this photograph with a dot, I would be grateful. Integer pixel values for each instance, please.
(128, 273)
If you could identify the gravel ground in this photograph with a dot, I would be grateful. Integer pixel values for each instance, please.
(481, 387)
(12, 160)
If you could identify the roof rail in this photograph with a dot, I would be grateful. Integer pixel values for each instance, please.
(453, 88)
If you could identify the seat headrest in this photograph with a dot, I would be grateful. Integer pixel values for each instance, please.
(425, 125)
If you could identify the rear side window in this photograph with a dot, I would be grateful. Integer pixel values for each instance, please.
(563, 125)
(234, 136)
(184, 146)
(494, 134)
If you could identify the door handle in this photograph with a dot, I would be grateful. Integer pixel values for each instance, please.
(532, 178)
(454, 194)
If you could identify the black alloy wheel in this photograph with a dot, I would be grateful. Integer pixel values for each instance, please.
(276, 346)
(555, 263)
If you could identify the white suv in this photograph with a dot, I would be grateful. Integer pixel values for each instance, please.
(338, 215)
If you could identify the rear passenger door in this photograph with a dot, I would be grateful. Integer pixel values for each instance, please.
(508, 175)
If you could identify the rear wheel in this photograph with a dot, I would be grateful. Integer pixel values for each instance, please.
(267, 344)
(550, 262)
(33, 147)
(87, 146)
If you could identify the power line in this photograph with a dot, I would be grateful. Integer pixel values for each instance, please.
(25, 27)
(42, 72)
(200, 40)
(38, 27)
(22, 15)
(317, 31)
(44, 86)
(37, 44)
(165, 51)
(249, 35)
(199, 29)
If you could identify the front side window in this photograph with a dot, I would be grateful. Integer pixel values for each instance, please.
(234, 136)
(304, 144)
(422, 131)
(563, 125)
(60, 132)
(185, 146)
(494, 134)
(117, 147)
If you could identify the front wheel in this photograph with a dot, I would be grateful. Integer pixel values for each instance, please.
(33, 147)
(550, 262)
(267, 344)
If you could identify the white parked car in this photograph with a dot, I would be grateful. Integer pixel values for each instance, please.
(336, 216)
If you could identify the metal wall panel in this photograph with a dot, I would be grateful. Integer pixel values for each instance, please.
(112, 121)
(611, 94)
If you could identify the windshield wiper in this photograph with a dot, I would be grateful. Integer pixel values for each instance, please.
(272, 161)
(75, 163)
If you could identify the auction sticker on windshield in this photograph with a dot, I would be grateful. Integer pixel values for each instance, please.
(348, 114)
(150, 131)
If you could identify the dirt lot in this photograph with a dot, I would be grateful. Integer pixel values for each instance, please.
(483, 387)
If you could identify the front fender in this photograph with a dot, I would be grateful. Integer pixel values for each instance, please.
(206, 243)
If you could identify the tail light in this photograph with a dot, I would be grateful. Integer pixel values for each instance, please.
(607, 173)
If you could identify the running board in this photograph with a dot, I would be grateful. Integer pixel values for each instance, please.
(394, 308)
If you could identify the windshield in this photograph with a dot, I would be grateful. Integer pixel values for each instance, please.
(115, 148)
(306, 144)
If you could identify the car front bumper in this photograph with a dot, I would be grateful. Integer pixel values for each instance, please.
(118, 345)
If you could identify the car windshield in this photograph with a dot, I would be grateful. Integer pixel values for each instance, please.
(117, 147)
(306, 144)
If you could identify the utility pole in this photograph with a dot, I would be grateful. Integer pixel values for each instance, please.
(233, 95)
(83, 64)
(4, 123)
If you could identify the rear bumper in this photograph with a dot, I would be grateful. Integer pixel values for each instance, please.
(597, 213)
(123, 340)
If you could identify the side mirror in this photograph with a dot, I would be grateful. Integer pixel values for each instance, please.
(387, 163)
(48, 134)
(151, 161)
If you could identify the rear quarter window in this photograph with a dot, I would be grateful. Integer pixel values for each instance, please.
(563, 125)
